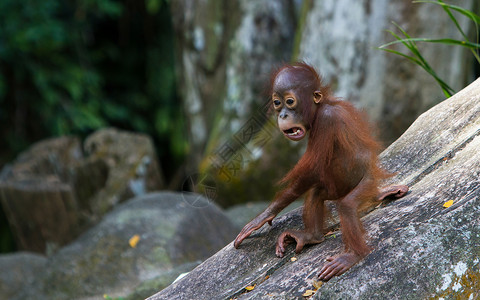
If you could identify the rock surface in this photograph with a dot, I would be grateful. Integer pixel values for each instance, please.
(19, 270)
(421, 248)
(174, 233)
(53, 191)
(132, 164)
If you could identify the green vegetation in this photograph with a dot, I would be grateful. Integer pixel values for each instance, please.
(417, 58)
(72, 67)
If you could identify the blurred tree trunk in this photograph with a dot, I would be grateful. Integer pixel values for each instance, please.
(340, 38)
(225, 51)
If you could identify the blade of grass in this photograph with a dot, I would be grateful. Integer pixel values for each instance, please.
(442, 84)
(399, 40)
(471, 15)
(475, 20)
(410, 58)
(466, 44)
(454, 20)
(410, 46)
(424, 64)
(472, 46)
(414, 49)
(418, 59)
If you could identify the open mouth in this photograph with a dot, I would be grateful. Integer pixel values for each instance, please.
(295, 133)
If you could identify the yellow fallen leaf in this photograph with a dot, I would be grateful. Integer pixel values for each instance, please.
(250, 287)
(293, 259)
(317, 284)
(448, 204)
(308, 293)
(134, 241)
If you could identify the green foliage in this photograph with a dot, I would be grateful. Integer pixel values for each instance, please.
(417, 58)
(70, 67)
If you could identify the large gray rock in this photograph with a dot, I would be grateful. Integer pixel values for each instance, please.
(175, 233)
(421, 248)
(19, 270)
(133, 168)
(53, 191)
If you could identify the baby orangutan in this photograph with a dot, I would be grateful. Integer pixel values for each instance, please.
(340, 163)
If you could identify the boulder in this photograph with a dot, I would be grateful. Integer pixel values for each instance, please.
(133, 168)
(422, 247)
(53, 191)
(19, 270)
(139, 247)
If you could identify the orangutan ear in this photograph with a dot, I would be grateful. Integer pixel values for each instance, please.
(317, 97)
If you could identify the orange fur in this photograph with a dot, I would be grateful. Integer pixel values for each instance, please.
(340, 153)
(340, 163)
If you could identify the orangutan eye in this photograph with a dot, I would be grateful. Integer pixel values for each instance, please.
(291, 103)
(276, 102)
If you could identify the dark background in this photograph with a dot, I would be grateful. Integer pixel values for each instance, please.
(71, 67)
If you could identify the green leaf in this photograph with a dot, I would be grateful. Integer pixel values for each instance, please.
(163, 121)
(441, 41)
(471, 15)
(110, 8)
(411, 58)
(153, 6)
(417, 58)
(115, 111)
(83, 118)
(454, 20)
